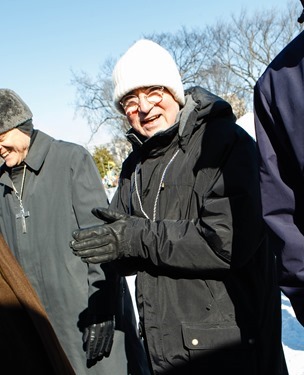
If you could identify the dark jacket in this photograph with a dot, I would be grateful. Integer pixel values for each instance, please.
(279, 116)
(62, 185)
(206, 284)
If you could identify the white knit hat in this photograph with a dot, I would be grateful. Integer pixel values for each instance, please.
(146, 64)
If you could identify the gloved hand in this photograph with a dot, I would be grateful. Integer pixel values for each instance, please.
(98, 339)
(102, 243)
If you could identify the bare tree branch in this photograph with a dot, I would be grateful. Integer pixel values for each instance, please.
(226, 58)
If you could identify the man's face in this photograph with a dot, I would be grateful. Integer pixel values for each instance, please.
(150, 118)
(14, 145)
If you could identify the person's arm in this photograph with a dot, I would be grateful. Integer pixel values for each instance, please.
(88, 191)
(282, 197)
(227, 230)
(225, 234)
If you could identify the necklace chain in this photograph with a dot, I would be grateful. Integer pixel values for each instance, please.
(158, 191)
(22, 214)
(19, 196)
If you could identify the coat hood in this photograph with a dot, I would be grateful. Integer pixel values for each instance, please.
(201, 107)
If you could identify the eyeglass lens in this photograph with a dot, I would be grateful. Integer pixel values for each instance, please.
(131, 103)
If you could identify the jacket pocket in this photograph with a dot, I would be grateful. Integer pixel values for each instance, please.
(211, 336)
(218, 348)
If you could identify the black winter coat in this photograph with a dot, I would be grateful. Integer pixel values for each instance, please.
(206, 283)
(279, 113)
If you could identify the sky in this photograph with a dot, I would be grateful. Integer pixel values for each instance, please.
(42, 42)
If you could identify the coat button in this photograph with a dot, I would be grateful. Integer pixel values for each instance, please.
(194, 342)
(140, 330)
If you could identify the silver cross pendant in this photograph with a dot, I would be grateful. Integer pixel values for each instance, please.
(22, 215)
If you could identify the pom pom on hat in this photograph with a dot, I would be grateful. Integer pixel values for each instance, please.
(146, 64)
(13, 110)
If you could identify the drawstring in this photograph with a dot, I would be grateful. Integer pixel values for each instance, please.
(137, 169)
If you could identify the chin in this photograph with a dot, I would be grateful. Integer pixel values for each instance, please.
(11, 163)
(151, 132)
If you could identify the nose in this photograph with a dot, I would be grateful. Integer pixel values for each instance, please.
(144, 105)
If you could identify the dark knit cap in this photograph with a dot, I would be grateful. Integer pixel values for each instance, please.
(13, 110)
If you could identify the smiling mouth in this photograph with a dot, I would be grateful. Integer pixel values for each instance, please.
(4, 155)
(150, 119)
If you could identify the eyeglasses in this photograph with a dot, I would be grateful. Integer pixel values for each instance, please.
(130, 103)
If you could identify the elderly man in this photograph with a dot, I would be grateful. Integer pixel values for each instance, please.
(187, 219)
(47, 189)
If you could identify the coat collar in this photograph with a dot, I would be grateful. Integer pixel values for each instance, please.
(38, 150)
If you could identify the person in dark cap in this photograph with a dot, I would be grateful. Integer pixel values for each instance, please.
(187, 219)
(47, 189)
(279, 116)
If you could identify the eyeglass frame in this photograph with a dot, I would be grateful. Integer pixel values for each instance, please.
(152, 88)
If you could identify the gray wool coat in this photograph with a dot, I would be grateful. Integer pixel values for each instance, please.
(61, 187)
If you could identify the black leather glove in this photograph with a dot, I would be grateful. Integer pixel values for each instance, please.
(102, 243)
(98, 339)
